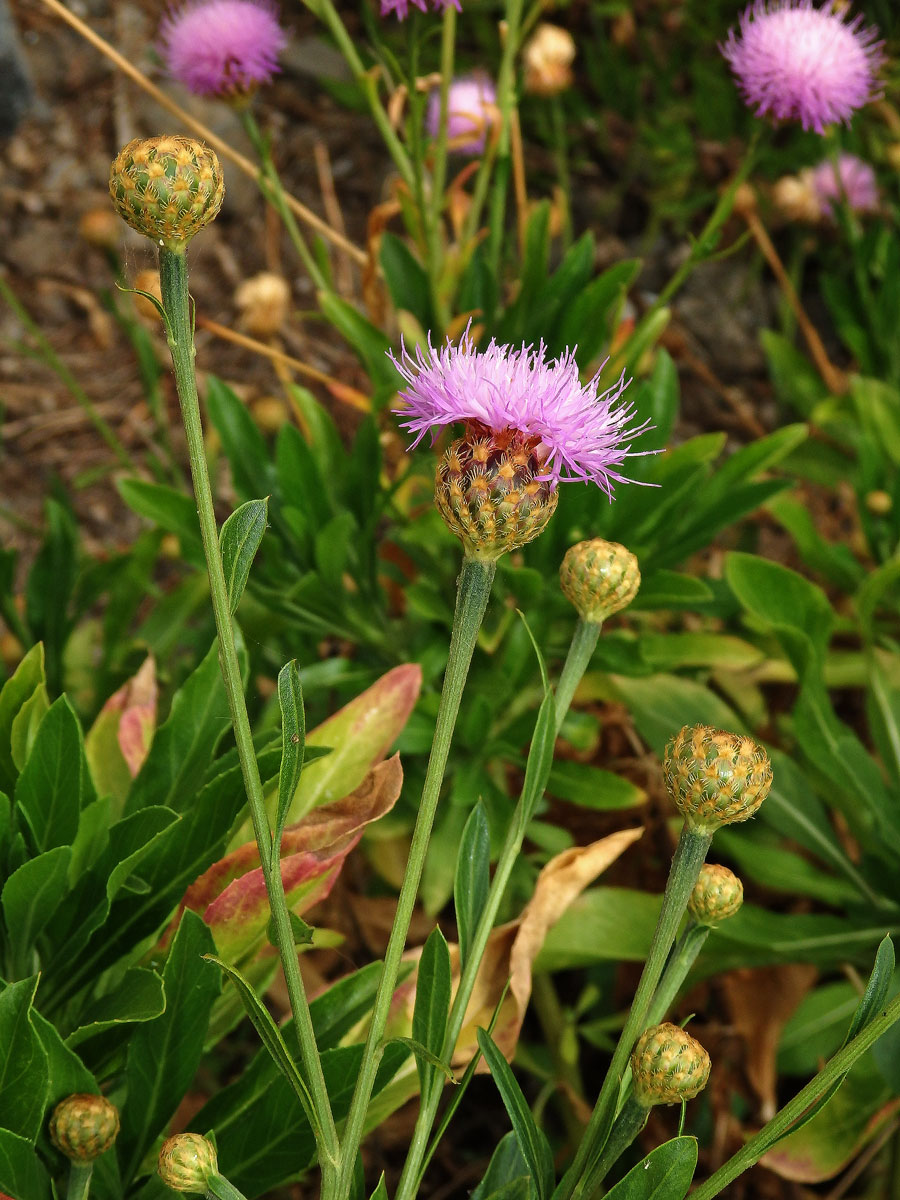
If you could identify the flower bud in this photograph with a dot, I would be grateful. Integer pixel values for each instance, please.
(599, 578)
(548, 58)
(84, 1126)
(489, 492)
(167, 188)
(795, 198)
(715, 778)
(186, 1161)
(718, 894)
(263, 300)
(668, 1066)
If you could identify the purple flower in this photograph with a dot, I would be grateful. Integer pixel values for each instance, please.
(800, 63)
(578, 432)
(222, 47)
(471, 110)
(401, 7)
(853, 178)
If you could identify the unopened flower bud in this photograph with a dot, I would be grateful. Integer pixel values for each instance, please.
(99, 228)
(548, 58)
(84, 1126)
(718, 894)
(147, 281)
(879, 503)
(263, 301)
(796, 199)
(167, 188)
(668, 1066)
(186, 1161)
(599, 578)
(488, 491)
(715, 778)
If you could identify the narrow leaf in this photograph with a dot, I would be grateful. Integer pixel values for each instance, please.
(24, 1080)
(239, 540)
(665, 1174)
(425, 1058)
(293, 739)
(472, 881)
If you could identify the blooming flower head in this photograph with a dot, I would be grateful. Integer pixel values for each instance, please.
(799, 63)
(471, 111)
(853, 178)
(222, 47)
(401, 7)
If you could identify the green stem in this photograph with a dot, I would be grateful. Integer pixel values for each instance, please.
(471, 601)
(439, 169)
(680, 962)
(174, 284)
(582, 646)
(79, 1181)
(272, 189)
(781, 1123)
(629, 1123)
(55, 363)
(559, 1037)
(506, 98)
(326, 11)
(686, 864)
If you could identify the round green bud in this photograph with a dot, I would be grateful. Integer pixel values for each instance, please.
(167, 188)
(84, 1126)
(186, 1161)
(715, 778)
(488, 492)
(718, 894)
(668, 1066)
(599, 578)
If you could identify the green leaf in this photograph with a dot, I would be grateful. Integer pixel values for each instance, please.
(432, 1006)
(163, 1055)
(368, 342)
(239, 541)
(506, 1174)
(592, 787)
(796, 609)
(534, 1145)
(425, 1058)
(665, 1174)
(184, 745)
(661, 704)
(876, 991)
(25, 725)
(49, 588)
(381, 1192)
(293, 741)
(67, 1074)
(406, 280)
(21, 1171)
(55, 784)
(251, 465)
(139, 997)
(24, 1077)
(27, 678)
(168, 508)
(669, 589)
(472, 880)
(601, 925)
(270, 1035)
(31, 895)
(301, 932)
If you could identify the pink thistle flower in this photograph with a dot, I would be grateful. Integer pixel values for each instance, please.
(853, 178)
(471, 111)
(401, 7)
(578, 433)
(222, 47)
(800, 63)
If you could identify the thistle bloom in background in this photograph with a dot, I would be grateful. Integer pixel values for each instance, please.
(401, 7)
(529, 425)
(222, 47)
(794, 62)
(852, 178)
(471, 111)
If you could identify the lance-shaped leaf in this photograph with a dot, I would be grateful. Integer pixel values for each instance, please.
(359, 735)
(27, 680)
(293, 739)
(513, 947)
(119, 740)
(231, 895)
(240, 538)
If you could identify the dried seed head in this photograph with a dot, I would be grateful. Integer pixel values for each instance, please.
(488, 492)
(668, 1066)
(718, 894)
(186, 1162)
(263, 300)
(84, 1126)
(167, 188)
(715, 778)
(548, 58)
(599, 578)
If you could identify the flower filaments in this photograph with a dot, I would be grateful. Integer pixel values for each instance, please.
(84, 1126)
(718, 894)
(222, 47)
(599, 578)
(167, 188)
(668, 1066)
(715, 778)
(794, 62)
(186, 1161)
